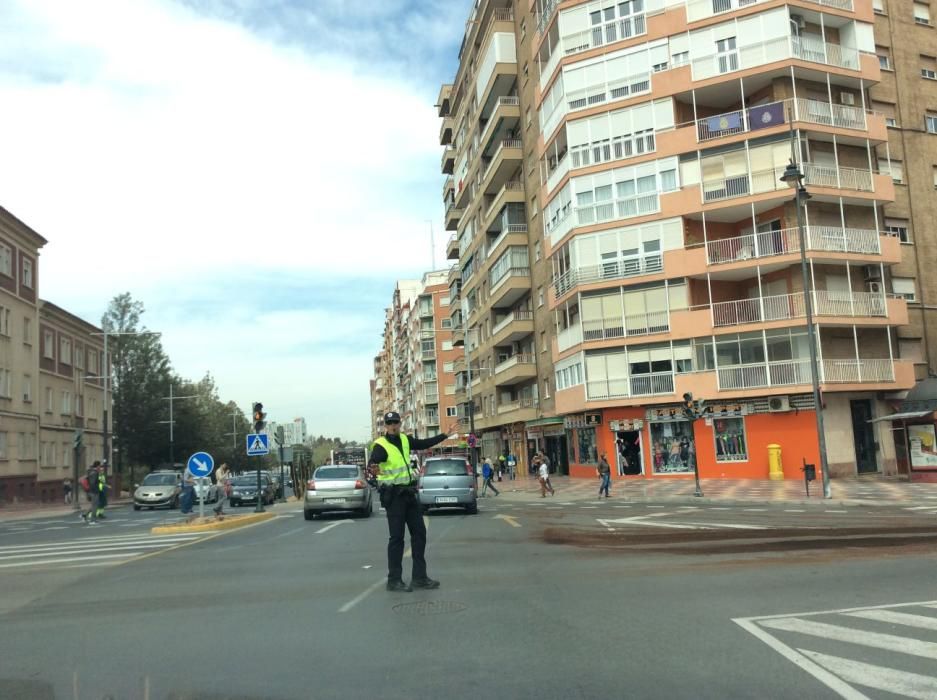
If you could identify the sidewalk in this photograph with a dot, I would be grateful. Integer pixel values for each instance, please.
(845, 491)
(28, 511)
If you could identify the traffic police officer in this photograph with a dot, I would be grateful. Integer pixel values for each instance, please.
(397, 480)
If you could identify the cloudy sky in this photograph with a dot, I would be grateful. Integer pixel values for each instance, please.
(256, 172)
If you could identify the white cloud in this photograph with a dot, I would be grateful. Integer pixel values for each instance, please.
(158, 148)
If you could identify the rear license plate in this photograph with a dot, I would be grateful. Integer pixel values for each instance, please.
(334, 500)
(446, 499)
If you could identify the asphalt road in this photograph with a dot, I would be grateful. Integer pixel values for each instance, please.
(539, 600)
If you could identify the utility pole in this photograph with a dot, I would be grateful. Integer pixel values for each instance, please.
(171, 399)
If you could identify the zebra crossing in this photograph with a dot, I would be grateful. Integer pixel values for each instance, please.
(855, 651)
(91, 551)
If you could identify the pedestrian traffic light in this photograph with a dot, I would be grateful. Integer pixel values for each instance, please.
(76, 440)
(259, 417)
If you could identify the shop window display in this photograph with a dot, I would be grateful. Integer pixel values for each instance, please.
(731, 445)
(588, 451)
(672, 447)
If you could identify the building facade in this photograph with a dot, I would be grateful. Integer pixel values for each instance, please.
(46, 358)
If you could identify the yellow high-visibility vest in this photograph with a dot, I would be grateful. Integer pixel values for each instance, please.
(395, 470)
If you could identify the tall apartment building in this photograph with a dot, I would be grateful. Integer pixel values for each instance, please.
(499, 284)
(413, 373)
(665, 127)
(50, 367)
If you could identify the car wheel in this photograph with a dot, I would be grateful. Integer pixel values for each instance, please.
(173, 504)
(472, 509)
(136, 507)
(309, 515)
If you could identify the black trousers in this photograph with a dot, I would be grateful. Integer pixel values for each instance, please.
(403, 510)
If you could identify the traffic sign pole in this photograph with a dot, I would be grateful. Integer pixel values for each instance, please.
(200, 465)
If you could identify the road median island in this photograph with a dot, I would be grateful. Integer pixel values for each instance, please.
(210, 524)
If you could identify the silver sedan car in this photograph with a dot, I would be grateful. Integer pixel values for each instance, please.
(336, 488)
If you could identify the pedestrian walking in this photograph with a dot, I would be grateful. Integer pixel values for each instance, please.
(488, 474)
(605, 474)
(67, 490)
(89, 486)
(545, 484)
(512, 466)
(390, 458)
(223, 488)
(187, 499)
(103, 487)
(502, 465)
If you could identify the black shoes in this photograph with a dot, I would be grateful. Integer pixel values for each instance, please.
(398, 586)
(425, 583)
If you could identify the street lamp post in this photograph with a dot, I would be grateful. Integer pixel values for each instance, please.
(795, 178)
(171, 399)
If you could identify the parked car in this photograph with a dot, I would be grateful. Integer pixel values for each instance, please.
(244, 490)
(274, 476)
(157, 490)
(210, 489)
(448, 482)
(336, 488)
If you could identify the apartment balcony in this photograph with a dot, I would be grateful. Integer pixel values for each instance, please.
(512, 235)
(448, 160)
(445, 132)
(761, 53)
(503, 117)
(768, 244)
(518, 411)
(627, 326)
(515, 370)
(759, 118)
(453, 217)
(763, 181)
(827, 306)
(702, 9)
(511, 192)
(655, 384)
(512, 284)
(789, 373)
(613, 270)
(507, 159)
(516, 326)
(452, 248)
(428, 354)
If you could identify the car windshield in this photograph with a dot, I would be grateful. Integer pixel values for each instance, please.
(159, 479)
(247, 481)
(336, 473)
(445, 467)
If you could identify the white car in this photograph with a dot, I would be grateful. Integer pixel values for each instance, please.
(208, 488)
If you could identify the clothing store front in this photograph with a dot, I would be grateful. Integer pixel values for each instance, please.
(548, 435)
(629, 447)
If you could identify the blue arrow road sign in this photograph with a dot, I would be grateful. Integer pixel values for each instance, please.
(201, 464)
(257, 444)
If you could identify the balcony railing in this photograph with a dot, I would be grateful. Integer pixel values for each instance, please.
(607, 92)
(772, 114)
(522, 403)
(796, 372)
(626, 326)
(503, 101)
(543, 21)
(511, 318)
(637, 385)
(568, 337)
(786, 241)
(764, 52)
(782, 307)
(509, 186)
(639, 205)
(762, 181)
(856, 371)
(617, 269)
(701, 9)
(506, 143)
(503, 14)
(507, 274)
(618, 30)
(513, 361)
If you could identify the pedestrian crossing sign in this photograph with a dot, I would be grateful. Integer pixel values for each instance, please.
(257, 444)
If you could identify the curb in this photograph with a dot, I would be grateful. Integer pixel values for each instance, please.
(229, 523)
(813, 502)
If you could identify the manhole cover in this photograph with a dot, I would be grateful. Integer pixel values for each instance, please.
(430, 607)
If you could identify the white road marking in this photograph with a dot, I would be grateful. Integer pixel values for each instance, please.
(94, 541)
(510, 520)
(836, 511)
(720, 508)
(876, 640)
(897, 618)
(910, 685)
(48, 562)
(361, 596)
(290, 532)
(655, 506)
(331, 525)
(755, 510)
(83, 550)
(793, 510)
(919, 508)
(731, 526)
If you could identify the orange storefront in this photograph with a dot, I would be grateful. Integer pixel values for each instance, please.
(731, 442)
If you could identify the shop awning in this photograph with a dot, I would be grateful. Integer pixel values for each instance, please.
(901, 416)
(556, 420)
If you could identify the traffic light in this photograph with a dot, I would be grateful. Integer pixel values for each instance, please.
(689, 408)
(76, 440)
(260, 417)
(280, 435)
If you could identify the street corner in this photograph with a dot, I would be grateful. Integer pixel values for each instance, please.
(209, 524)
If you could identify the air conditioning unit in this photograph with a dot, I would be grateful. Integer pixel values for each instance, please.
(799, 21)
(874, 286)
(847, 98)
(872, 272)
(777, 404)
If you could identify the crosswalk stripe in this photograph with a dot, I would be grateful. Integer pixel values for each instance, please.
(87, 550)
(910, 685)
(116, 539)
(67, 560)
(734, 526)
(898, 618)
(876, 640)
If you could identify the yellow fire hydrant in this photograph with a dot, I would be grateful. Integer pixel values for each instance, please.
(775, 469)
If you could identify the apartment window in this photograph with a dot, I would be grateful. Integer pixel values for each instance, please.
(93, 362)
(899, 229)
(546, 388)
(727, 55)
(27, 330)
(48, 340)
(930, 123)
(891, 121)
(444, 301)
(446, 323)
(539, 296)
(447, 345)
(928, 67)
(50, 400)
(3, 446)
(935, 177)
(27, 445)
(537, 251)
(526, 72)
(895, 169)
(65, 351)
(904, 288)
(27, 273)
(528, 118)
(543, 341)
(6, 383)
(66, 403)
(523, 29)
(921, 13)
(94, 409)
(534, 209)
(79, 405)
(878, 6)
(4, 321)
(6, 260)
(680, 58)
(448, 366)
(27, 388)
(884, 57)
(452, 411)
(658, 67)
